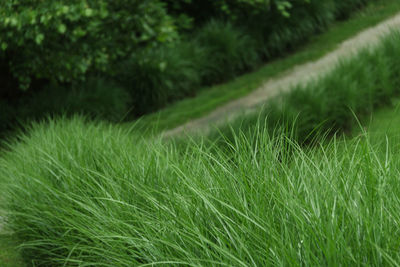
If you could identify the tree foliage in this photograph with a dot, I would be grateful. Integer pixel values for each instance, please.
(233, 10)
(63, 40)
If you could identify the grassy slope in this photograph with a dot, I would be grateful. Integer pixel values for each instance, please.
(211, 98)
(387, 119)
(384, 125)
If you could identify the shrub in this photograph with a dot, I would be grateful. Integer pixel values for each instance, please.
(7, 115)
(245, 33)
(344, 8)
(63, 40)
(228, 51)
(96, 98)
(161, 75)
(157, 76)
(233, 10)
(278, 34)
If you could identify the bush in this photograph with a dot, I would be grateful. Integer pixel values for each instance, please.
(279, 34)
(344, 8)
(232, 10)
(277, 25)
(228, 51)
(63, 40)
(155, 77)
(96, 98)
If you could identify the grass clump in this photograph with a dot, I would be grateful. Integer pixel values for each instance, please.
(89, 194)
(96, 98)
(155, 77)
(9, 256)
(228, 49)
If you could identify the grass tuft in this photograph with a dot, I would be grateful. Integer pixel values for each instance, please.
(89, 194)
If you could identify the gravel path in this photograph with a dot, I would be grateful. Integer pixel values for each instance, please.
(298, 75)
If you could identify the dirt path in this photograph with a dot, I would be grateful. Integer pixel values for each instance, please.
(298, 75)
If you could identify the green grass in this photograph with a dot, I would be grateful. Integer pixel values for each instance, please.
(211, 98)
(8, 255)
(383, 124)
(99, 196)
(355, 88)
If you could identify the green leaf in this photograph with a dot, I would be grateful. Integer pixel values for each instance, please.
(4, 46)
(163, 66)
(65, 9)
(88, 12)
(39, 38)
(62, 28)
(13, 21)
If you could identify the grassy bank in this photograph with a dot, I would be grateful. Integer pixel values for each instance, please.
(331, 104)
(211, 98)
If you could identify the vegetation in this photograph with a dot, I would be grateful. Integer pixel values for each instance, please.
(208, 99)
(98, 99)
(384, 125)
(100, 196)
(8, 252)
(156, 51)
(354, 89)
(240, 35)
(63, 40)
(283, 187)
